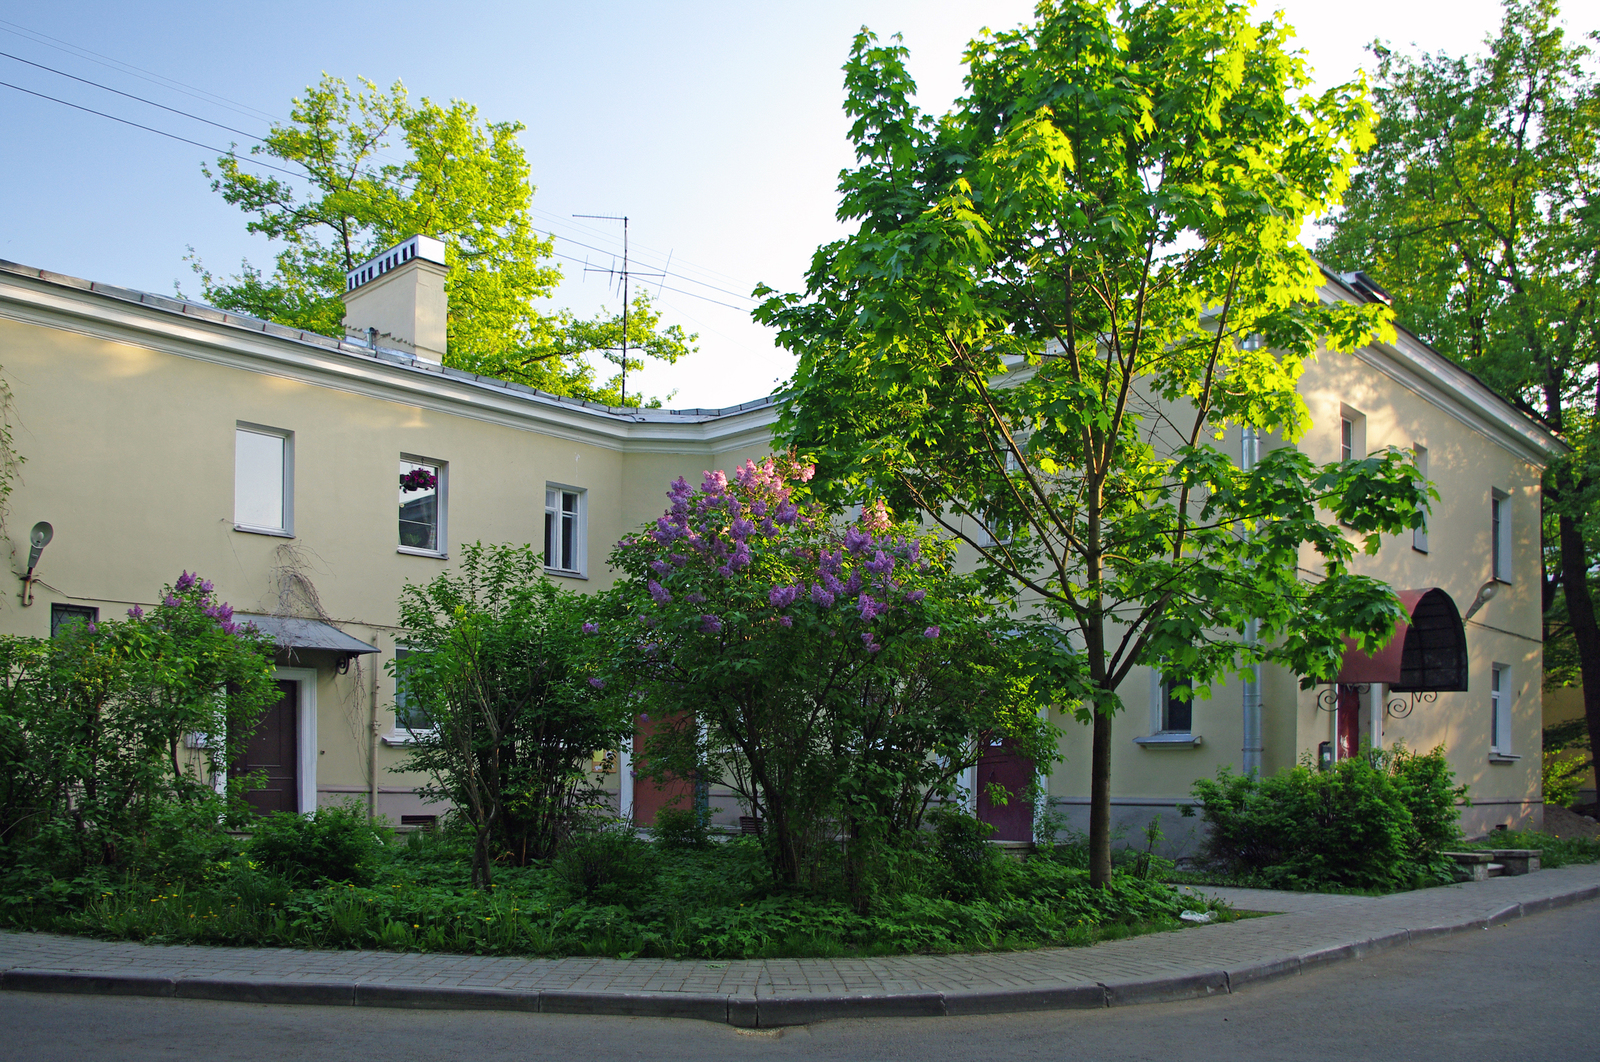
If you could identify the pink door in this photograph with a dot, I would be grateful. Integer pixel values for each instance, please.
(1000, 766)
(649, 795)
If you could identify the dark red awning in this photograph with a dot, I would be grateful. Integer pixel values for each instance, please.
(1428, 653)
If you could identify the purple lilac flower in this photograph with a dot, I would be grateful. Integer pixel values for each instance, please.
(696, 599)
(916, 595)
(931, 632)
(786, 621)
(591, 628)
(185, 581)
(678, 559)
(714, 482)
(758, 508)
(660, 567)
(880, 564)
(856, 541)
(658, 593)
(92, 628)
(171, 601)
(598, 683)
(869, 608)
(831, 582)
(787, 513)
(853, 584)
(135, 613)
(741, 529)
(782, 596)
(232, 628)
(206, 586)
(872, 646)
(821, 595)
(741, 556)
(710, 624)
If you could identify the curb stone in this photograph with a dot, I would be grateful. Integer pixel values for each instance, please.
(764, 1011)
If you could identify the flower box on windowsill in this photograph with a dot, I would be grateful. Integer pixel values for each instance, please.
(1170, 741)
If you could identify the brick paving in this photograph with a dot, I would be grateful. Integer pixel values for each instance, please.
(1305, 930)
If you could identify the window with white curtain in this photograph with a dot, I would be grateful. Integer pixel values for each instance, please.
(563, 530)
(263, 480)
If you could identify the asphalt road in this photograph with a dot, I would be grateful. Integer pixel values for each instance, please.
(1525, 990)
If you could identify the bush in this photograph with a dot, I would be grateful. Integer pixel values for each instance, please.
(335, 844)
(606, 867)
(968, 866)
(1373, 821)
(678, 829)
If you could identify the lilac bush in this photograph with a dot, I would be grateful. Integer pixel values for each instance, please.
(839, 676)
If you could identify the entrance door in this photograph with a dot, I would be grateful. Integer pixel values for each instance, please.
(1348, 723)
(650, 795)
(274, 748)
(1000, 765)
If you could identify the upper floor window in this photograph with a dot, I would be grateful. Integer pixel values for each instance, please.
(65, 615)
(422, 505)
(1352, 433)
(1419, 534)
(263, 480)
(563, 530)
(1500, 535)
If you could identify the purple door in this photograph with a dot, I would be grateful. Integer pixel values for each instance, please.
(274, 749)
(1000, 766)
(1348, 723)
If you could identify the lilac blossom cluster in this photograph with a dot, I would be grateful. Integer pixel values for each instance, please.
(187, 583)
(720, 523)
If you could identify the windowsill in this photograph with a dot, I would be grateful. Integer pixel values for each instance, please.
(1170, 741)
(399, 737)
(412, 551)
(1419, 549)
(275, 532)
(560, 574)
(1504, 757)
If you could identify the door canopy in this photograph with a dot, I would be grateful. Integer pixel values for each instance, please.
(1428, 653)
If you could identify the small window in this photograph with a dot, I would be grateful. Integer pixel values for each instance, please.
(422, 494)
(62, 616)
(1347, 438)
(1500, 709)
(1177, 710)
(1419, 534)
(408, 715)
(563, 530)
(1500, 535)
(263, 480)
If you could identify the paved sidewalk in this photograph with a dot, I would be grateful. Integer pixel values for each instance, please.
(1310, 931)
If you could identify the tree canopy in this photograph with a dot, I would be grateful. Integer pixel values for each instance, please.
(1057, 300)
(1478, 208)
(454, 177)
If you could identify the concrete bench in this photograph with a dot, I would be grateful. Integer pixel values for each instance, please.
(1518, 860)
(1475, 865)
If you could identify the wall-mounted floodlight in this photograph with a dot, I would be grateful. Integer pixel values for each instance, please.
(38, 539)
(1485, 593)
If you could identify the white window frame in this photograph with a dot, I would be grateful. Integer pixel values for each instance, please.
(399, 735)
(305, 680)
(1502, 698)
(1352, 433)
(1501, 554)
(442, 508)
(1419, 534)
(286, 479)
(580, 531)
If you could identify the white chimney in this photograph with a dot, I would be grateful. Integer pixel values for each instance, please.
(396, 298)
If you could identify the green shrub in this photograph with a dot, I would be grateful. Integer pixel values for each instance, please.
(606, 866)
(1372, 821)
(335, 844)
(968, 867)
(682, 828)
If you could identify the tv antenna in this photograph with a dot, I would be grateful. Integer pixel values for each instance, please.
(623, 274)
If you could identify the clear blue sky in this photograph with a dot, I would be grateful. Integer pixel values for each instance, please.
(715, 125)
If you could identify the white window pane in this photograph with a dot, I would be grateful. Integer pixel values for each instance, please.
(258, 479)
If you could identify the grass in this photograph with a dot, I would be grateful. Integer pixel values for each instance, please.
(696, 904)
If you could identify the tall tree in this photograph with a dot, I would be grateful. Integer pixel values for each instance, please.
(1053, 305)
(454, 177)
(1479, 210)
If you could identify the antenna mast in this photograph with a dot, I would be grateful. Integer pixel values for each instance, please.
(625, 273)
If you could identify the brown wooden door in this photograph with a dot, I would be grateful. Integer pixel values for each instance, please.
(274, 748)
(1349, 723)
(649, 795)
(1000, 765)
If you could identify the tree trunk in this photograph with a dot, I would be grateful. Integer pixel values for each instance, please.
(1100, 802)
(1585, 628)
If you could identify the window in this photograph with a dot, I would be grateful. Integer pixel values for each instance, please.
(1500, 709)
(408, 716)
(1347, 438)
(1419, 534)
(1500, 535)
(422, 509)
(563, 530)
(1177, 712)
(64, 615)
(1352, 434)
(263, 480)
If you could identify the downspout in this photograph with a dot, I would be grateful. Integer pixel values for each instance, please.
(372, 749)
(1250, 452)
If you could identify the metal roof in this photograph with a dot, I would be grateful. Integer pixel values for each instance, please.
(292, 632)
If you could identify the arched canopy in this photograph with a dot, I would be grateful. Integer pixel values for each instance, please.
(1428, 653)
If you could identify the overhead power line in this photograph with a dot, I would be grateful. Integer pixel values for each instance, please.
(151, 129)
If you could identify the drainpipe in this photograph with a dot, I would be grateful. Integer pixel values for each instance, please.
(372, 749)
(1250, 452)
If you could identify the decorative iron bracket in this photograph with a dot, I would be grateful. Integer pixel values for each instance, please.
(1401, 705)
(1328, 699)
